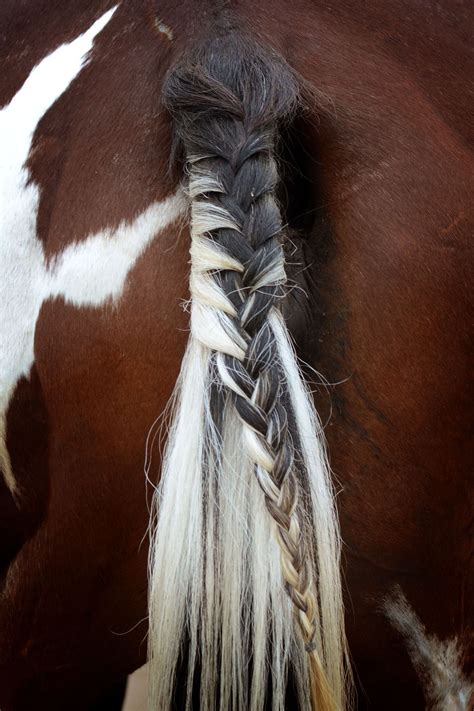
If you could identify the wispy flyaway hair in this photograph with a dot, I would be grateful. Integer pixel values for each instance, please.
(245, 555)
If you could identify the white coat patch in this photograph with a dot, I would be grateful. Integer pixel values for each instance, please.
(86, 273)
(437, 663)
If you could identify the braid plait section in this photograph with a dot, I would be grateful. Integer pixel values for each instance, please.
(237, 278)
(227, 126)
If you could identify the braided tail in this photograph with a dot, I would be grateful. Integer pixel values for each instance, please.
(236, 584)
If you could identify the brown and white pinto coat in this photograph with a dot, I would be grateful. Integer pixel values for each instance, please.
(93, 328)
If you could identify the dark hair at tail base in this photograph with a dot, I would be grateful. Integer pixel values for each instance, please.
(245, 502)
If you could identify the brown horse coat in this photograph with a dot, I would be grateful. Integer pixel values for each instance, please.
(385, 191)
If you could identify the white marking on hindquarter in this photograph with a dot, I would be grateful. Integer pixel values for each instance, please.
(164, 29)
(86, 273)
(437, 663)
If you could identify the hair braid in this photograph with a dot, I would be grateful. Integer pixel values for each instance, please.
(253, 285)
(227, 108)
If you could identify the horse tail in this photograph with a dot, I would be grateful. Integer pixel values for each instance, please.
(245, 556)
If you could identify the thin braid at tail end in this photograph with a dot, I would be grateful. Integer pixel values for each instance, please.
(245, 557)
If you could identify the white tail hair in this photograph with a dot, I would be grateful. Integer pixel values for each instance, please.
(244, 567)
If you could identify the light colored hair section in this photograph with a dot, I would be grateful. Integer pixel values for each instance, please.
(325, 524)
(215, 567)
(438, 663)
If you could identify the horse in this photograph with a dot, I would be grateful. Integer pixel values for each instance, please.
(360, 133)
